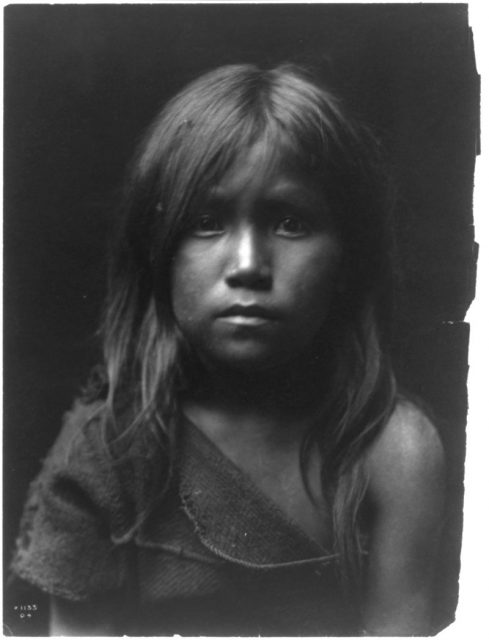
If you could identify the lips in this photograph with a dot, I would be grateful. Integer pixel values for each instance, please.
(249, 311)
(248, 315)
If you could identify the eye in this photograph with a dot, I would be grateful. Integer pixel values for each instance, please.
(291, 226)
(205, 225)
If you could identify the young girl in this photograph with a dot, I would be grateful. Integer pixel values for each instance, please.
(243, 464)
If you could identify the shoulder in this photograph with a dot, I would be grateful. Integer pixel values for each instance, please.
(404, 519)
(406, 462)
(91, 434)
(82, 428)
(115, 464)
(82, 473)
(76, 509)
(79, 453)
(81, 444)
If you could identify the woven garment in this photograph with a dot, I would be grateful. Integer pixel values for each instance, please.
(215, 556)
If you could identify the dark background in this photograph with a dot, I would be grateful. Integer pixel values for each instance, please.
(82, 82)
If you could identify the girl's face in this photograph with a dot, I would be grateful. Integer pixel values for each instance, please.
(255, 272)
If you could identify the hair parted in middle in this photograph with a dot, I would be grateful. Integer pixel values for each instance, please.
(192, 143)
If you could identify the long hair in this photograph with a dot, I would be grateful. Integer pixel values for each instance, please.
(190, 145)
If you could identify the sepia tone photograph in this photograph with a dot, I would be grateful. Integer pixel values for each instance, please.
(238, 257)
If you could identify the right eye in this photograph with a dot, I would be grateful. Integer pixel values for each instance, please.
(207, 224)
(291, 226)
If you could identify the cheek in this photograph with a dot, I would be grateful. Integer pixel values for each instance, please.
(318, 279)
(184, 298)
(191, 277)
(183, 287)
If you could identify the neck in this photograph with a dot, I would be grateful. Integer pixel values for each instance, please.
(277, 404)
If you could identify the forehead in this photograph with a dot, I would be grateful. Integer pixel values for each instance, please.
(263, 169)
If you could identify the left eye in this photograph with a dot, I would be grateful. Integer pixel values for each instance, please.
(291, 226)
(207, 224)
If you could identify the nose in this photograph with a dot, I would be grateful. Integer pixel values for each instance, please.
(250, 260)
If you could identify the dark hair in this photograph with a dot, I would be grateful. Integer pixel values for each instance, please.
(190, 145)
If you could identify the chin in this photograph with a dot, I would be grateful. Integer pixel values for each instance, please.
(247, 361)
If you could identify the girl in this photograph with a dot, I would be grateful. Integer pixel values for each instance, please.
(243, 464)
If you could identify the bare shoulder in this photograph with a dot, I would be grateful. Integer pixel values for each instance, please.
(404, 510)
(407, 459)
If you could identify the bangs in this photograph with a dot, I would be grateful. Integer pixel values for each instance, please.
(276, 147)
(223, 147)
(217, 119)
(213, 146)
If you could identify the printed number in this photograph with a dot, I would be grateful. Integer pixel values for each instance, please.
(25, 610)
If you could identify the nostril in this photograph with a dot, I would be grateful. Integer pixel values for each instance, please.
(250, 278)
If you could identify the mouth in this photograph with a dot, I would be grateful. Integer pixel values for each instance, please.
(250, 315)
